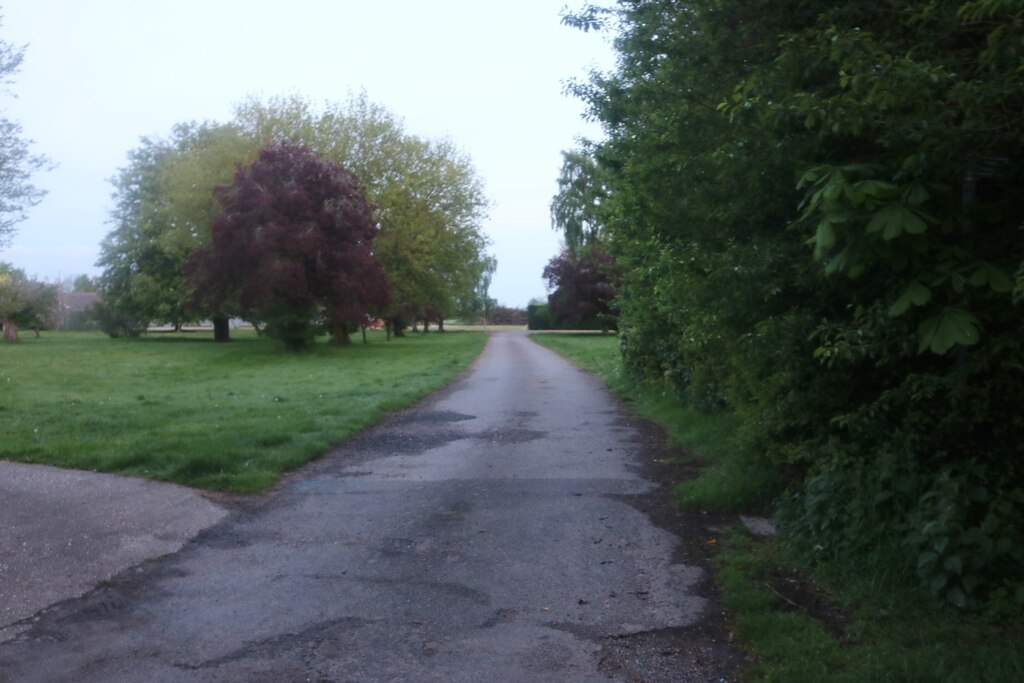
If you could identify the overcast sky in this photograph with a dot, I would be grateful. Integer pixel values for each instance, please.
(99, 74)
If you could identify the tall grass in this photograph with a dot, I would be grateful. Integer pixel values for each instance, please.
(178, 407)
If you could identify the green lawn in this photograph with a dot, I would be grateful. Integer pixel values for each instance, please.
(178, 407)
(847, 626)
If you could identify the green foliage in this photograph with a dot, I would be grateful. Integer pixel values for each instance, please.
(850, 626)
(178, 407)
(835, 621)
(429, 202)
(429, 198)
(817, 209)
(165, 207)
(832, 620)
(24, 302)
(17, 163)
(576, 211)
(538, 317)
(117, 322)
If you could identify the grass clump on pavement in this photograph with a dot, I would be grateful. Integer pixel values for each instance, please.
(825, 624)
(178, 407)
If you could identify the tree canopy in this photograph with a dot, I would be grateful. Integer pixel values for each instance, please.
(582, 287)
(428, 200)
(24, 302)
(292, 246)
(17, 163)
(817, 210)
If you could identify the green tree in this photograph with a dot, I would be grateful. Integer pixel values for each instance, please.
(84, 283)
(165, 207)
(430, 201)
(24, 302)
(817, 209)
(576, 208)
(293, 245)
(17, 163)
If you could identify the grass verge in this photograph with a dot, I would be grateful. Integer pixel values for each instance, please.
(731, 480)
(178, 407)
(828, 624)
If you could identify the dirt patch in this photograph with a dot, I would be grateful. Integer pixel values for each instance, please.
(803, 597)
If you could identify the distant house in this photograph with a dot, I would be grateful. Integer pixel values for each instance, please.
(73, 310)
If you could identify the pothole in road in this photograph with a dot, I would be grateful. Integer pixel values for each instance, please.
(510, 436)
(435, 416)
(391, 442)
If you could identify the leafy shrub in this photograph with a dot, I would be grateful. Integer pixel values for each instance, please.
(117, 323)
(959, 531)
(538, 317)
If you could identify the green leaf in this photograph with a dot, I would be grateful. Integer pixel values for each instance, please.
(893, 220)
(926, 558)
(824, 238)
(916, 194)
(958, 281)
(951, 327)
(811, 176)
(915, 294)
(993, 276)
(954, 563)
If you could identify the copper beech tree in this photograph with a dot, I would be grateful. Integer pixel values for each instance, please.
(292, 249)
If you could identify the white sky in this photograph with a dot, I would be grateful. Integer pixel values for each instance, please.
(99, 74)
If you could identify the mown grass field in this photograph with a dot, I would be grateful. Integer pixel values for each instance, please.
(843, 626)
(231, 417)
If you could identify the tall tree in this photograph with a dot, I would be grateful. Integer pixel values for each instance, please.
(429, 198)
(165, 206)
(817, 208)
(293, 245)
(17, 163)
(576, 208)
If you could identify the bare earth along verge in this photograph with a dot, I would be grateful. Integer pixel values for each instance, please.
(509, 528)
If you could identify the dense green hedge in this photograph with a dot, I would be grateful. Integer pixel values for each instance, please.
(818, 208)
(539, 317)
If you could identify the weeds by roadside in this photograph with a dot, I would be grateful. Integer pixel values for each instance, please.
(832, 623)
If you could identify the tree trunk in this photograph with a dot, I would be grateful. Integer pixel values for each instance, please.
(339, 334)
(221, 329)
(440, 324)
(363, 327)
(10, 330)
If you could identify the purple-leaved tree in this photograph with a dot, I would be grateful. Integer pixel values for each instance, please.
(293, 249)
(582, 287)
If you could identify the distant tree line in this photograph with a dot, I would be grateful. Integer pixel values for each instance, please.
(816, 208)
(300, 220)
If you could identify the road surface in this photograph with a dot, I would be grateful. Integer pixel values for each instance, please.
(490, 534)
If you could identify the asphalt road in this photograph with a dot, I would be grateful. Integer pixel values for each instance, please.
(491, 534)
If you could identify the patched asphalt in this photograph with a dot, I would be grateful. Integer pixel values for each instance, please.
(62, 532)
(487, 534)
